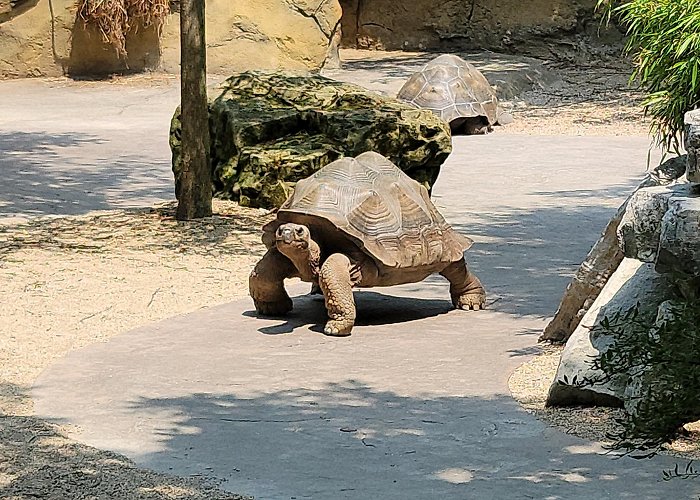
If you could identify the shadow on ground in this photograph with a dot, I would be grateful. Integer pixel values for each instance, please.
(529, 255)
(72, 173)
(387, 72)
(373, 308)
(347, 440)
(36, 461)
(139, 229)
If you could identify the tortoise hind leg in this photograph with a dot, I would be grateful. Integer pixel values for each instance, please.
(336, 283)
(266, 284)
(465, 288)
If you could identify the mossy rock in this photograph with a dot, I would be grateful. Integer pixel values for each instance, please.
(268, 130)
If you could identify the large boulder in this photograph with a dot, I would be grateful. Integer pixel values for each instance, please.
(662, 226)
(692, 144)
(659, 234)
(679, 240)
(578, 381)
(661, 391)
(640, 226)
(270, 130)
(602, 260)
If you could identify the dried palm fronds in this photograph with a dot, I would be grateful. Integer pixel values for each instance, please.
(147, 12)
(114, 18)
(110, 18)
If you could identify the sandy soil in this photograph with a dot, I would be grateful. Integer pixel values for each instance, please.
(585, 101)
(70, 281)
(529, 385)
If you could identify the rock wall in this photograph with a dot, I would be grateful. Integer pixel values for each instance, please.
(12, 8)
(504, 25)
(577, 381)
(659, 234)
(43, 38)
(602, 261)
(692, 144)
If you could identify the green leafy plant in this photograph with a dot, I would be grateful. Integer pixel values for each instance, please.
(666, 357)
(664, 42)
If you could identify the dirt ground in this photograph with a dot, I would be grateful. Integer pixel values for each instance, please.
(585, 101)
(68, 282)
(71, 281)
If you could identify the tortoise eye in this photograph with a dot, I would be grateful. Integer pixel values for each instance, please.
(299, 231)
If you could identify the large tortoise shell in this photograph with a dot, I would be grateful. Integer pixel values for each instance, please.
(451, 88)
(379, 208)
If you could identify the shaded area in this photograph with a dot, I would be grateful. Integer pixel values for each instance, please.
(387, 72)
(9, 9)
(37, 461)
(347, 439)
(141, 229)
(73, 173)
(545, 27)
(520, 198)
(373, 308)
(531, 254)
(91, 56)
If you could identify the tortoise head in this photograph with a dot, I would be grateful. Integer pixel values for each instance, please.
(292, 238)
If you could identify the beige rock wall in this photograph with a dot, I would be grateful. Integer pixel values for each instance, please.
(261, 34)
(458, 24)
(241, 35)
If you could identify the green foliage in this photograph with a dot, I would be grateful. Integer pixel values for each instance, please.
(664, 40)
(666, 358)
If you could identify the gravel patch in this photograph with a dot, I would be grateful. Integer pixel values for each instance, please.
(529, 385)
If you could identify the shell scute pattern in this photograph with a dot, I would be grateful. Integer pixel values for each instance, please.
(379, 208)
(451, 88)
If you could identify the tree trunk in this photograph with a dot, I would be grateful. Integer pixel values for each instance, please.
(194, 186)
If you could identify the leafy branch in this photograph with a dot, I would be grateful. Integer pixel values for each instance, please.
(664, 41)
(662, 361)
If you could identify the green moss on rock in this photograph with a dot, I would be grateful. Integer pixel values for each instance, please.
(270, 130)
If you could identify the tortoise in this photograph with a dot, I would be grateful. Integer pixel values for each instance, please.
(359, 222)
(458, 93)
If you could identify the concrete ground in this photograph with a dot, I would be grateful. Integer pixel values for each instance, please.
(71, 147)
(414, 404)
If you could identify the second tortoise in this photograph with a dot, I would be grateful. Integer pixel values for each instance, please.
(359, 222)
(458, 93)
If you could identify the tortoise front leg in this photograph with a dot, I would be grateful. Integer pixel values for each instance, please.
(465, 288)
(336, 283)
(266, 283)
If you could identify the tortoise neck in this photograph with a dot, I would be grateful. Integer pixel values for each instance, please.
(307, 261)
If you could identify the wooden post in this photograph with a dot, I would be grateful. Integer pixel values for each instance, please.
(194, 186)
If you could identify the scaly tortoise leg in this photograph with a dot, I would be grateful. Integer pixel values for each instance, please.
(336, 284)
(465, 288)
(266, 283)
